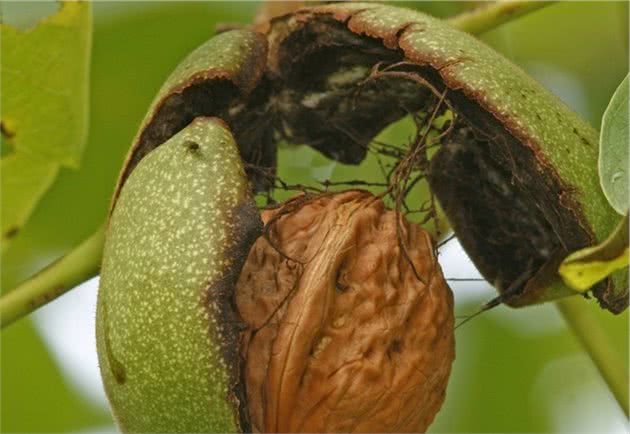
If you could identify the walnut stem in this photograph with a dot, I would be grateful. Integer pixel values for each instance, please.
(55, 280)
(596, 342)
(272, 9)
(486, 18)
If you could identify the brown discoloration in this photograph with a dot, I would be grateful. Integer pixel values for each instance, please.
(505, 210)
(212, 92)
(393, 37)
(609, 301)
(324, 82)
(389, 34)
(11, 232)
(373, 357)
(324, 101)
(514, 214)
(339, 14)
(343, 120)
(537, 194)
(177, 110)
(269, 10)
(316, 92)
(5, 131)
(221, 304)
(193, 147)
(116, 367)
(47, 296)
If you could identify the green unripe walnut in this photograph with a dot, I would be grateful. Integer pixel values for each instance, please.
(164, 319)
(183, 221)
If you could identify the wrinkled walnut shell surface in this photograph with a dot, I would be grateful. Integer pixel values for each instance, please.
(341, 334)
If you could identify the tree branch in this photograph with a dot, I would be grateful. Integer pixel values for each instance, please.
(493, 15)
(62, 275)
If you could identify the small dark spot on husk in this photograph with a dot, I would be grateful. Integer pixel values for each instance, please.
(192, 147)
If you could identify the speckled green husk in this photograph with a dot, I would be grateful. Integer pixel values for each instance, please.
(540, 120)
(236, 57)
(161, 329)
(181, 224)
(559, 138)
(176, 233)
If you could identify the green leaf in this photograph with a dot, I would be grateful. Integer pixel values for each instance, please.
(45, 84)
(613, 149)
(24, 181)
(44, 98)
(585, 267)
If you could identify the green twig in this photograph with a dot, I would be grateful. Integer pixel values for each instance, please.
(488, 17)
(588, 330)
(77, 266)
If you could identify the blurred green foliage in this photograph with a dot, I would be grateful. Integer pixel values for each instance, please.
(496, 378)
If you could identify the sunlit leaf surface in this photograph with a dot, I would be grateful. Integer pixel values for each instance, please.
(44, 107)
(45, 84)
(585, 267)
(24, 180)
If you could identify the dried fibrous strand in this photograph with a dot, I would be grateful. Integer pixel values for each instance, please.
(333, 77)
(513, 212)
(325, 100)
(492, 182)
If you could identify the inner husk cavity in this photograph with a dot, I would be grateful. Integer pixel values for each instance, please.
(508, 208)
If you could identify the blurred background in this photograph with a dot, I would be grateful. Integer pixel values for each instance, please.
(515, 371)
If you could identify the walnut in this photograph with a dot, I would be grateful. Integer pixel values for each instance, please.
(341, 333)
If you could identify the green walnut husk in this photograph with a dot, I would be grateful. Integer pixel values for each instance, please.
(166, 326)
(213, 78)
(181, 224)
(516, 177)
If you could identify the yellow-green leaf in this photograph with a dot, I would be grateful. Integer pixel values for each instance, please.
(44, 76)
(45, 84)
(24, 181)
(583, 275)
(585, 267)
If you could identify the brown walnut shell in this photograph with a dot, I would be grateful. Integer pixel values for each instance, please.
(341, 334)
